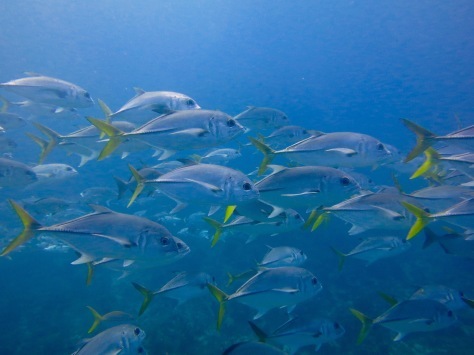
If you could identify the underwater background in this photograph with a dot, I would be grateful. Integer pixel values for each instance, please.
(341, 65)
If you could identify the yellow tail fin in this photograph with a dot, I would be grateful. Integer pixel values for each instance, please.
(422, 219)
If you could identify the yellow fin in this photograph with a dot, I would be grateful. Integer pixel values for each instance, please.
(228, 212)
(422, 219)
(97, 319)
(140, 184)
(221, 297)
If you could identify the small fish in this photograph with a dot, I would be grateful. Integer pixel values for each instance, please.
(406, 317)
(46, 205)
(373, 249)
(149, 104)
(182, 288)
(54, 171)
(106, 235)
(338, 149)
(287, 135)
(453, 243)
(218, 156)
(50, 91)
(15, 174)
(111, 317)
(298, 333)
(282, 256)
(271, 288)
(262, 118)
(121, 339)
(425, 139)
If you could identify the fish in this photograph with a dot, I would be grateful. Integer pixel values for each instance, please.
(11, 121)
(338, 149)
(15, 174)
(111, 317)
(463, 162)
(424, 138)
(46, 205)
(451, 298)
(54, 171)
(182, 288)
(373, 249)
(306, 187)
(146, 105)
(48, 90)
(288, 135)
(121, 339)
(270, 288)
(202, 184)
(97, 195)
(252, 228)
(176, 131)
(82, 142)
(262, 118)
(282, 256)
(146, 173)
(461, 214)
(220, 156)
(105, 235)
(299, 332)
(410, 316)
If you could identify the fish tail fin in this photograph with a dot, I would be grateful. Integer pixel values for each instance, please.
(392, 301)
(107, 113)
(323, 217)
(268, 154)
(147, 294)
(122, 187)
(469, 302)
(221, 297)
(116, 136)
(432, 159)
(366, 324)
(140, 184)
(5, 104)
(261, 335)
(196, 157)
(229, 211)
(217, 226)
(30, 226)
(422, 219)
(341, 256)
(97, 319)
(430, 238)
(46, 146)
(424, 139)
(231, 280)
(90, 273)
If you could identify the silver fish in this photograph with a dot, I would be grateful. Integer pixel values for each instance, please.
(418, 315)
(176, 131)
(262, 118)
(271, 288)
(182, 288)
(451, 298)
(300, 332)
(288, 135)
(121, 339)
(202, 184)
(149, 104)
(50, 91)
(338, 149)
(373, 249)
(219, 156)
(106, 235)
(283, 256)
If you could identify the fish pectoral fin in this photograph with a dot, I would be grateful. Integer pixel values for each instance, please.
(160, 108)
(128, 262)
(195, 132)
(166, 153)
(389, 213)
(123, 242)
(301, 194)
(344, 151)
(399, 337)
(206, 185)
(286, 290)
(83, 259)
(276, 211)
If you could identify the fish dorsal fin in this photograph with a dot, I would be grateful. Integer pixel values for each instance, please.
(100, 209)
(138, 91)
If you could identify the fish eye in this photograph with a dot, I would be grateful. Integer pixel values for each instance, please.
(189, 102)
(461, 293)
(314, 281)
(246, 186)
(284, 118)
(380, 146)
(140, 349)
(230, 123)
(301, 252)
(450, 313)
(345, 181)
(87, 95)
(297, 216)
(136, 331)
(165, 240)
(68, 168)
(336, 326)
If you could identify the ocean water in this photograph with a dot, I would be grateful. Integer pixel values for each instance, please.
(357, 66)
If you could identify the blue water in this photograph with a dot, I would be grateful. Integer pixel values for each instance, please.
(329, 65)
